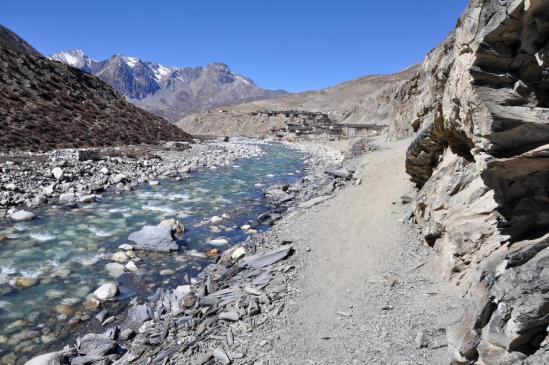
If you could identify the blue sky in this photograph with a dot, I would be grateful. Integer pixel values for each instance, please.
(294, 45)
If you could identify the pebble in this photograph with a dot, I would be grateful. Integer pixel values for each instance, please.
(166, 272)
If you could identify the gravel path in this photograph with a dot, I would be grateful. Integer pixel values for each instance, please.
(369, 291)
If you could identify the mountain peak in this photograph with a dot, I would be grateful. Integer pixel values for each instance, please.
(75, 58)
(171, 92)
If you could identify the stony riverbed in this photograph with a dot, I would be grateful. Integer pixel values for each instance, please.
(53, 263)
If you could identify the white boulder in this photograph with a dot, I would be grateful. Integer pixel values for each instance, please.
(106, 291)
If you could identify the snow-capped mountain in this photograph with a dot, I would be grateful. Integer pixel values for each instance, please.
(171, 92)
(78, 59)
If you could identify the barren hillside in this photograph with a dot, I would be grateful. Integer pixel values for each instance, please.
(365, 100)
(45, 105)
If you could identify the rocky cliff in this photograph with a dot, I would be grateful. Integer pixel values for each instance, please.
(170, 92)
(478, 108)
(46, 104)
(367, 100)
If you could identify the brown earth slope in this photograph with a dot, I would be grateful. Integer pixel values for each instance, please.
(365, 100)
(45, 105)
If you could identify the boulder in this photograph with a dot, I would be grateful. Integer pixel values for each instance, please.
(22, 216)
(154, 238)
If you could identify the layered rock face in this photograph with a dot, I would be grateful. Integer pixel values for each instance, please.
(480, 161)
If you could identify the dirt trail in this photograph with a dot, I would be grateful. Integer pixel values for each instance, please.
(368, 265)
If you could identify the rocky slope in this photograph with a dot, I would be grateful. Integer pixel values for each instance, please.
(9, 39)
(480, 162)
(365, 100)
(170, 92)
(46, 104)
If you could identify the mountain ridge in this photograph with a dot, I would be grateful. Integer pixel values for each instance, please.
(364, 100)
(171, 92)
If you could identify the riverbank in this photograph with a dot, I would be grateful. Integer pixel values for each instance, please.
(318, 157)
(82, 176)
(283, 198)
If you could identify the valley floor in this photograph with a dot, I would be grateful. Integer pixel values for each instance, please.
(368, 291)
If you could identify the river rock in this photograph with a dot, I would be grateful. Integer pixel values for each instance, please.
(118, 178)
(214, 252)
(67, 197)
(219, 242)
(216, 219)
(120, 256)
(177, 227)
(64, 309)
(154, 238)
(238, 253)
(132, 267)
(126, 247)
(115, 269)
(40, 199)
(87, 199)
(4, 278)
(22, 216)
(106, 291)
(52, 358)
(92, 303)
(24, 282)
(57, 173)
